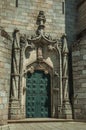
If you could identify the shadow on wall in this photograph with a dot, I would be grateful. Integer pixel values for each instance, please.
(70, 20)
(70, 29)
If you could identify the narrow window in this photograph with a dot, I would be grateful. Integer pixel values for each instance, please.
(63, 8)
(16, 3)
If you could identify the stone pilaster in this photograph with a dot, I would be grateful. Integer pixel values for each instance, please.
(67, 112)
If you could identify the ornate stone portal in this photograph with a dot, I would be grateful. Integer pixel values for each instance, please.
(40, 52)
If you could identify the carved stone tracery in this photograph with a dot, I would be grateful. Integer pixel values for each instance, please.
(34, 47)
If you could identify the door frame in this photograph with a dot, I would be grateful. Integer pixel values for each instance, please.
(49, 91)
(31, 68)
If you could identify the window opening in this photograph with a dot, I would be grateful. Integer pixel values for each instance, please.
(63, 7)
(16, 3)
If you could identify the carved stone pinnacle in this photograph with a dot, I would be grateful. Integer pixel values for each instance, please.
(41, 21)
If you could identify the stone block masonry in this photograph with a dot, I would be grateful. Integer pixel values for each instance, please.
(81, 17)
(5, 69)
(79, 79)
(70, 20)
(24, 16)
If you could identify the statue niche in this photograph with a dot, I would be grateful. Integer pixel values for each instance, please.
(39, 53)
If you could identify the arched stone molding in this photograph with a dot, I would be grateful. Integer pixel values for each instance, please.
(43, 66)
(42, 52)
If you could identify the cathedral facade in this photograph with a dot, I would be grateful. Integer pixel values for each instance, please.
(42, 59)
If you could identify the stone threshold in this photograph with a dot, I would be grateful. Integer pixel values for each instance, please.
(41, 120)
(38, 120)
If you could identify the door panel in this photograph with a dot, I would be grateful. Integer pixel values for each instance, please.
(38, 95)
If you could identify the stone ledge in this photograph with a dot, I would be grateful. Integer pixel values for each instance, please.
(38, 120)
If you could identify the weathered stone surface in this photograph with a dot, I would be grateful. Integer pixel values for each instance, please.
(46, 126)
(84, 57)
(79, 79)
(5, 69)
(24, 16)
(81, 17)
(83, 84)
(59, 20)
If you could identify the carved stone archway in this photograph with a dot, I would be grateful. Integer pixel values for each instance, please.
(41, 52)
(37, 66)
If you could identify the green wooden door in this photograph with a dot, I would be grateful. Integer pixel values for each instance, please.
(38, 95)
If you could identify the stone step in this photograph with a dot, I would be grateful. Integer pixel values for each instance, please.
(38, 120)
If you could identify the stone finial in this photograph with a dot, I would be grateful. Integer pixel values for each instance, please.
(15, 31)
(65, 46)
(41, 21)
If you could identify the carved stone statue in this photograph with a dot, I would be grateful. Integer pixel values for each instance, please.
(40, 55)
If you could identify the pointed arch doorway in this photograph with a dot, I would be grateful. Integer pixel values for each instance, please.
(38, 95)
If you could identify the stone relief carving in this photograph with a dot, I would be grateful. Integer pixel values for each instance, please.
(23, 39)
(65, 69)
(31, 69)
(49, 62)
(4, 34)
(28, 49)
(66, 102)
(6, 38)
(16, 38)
(34, 60)
(39, 53)
(16, 59)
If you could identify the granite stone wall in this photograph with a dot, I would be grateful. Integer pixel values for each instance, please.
(60, 18)
(25, 15)
(5, 70)
(70, 20)
(81, 17)
(79, 78)
(79, 64)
